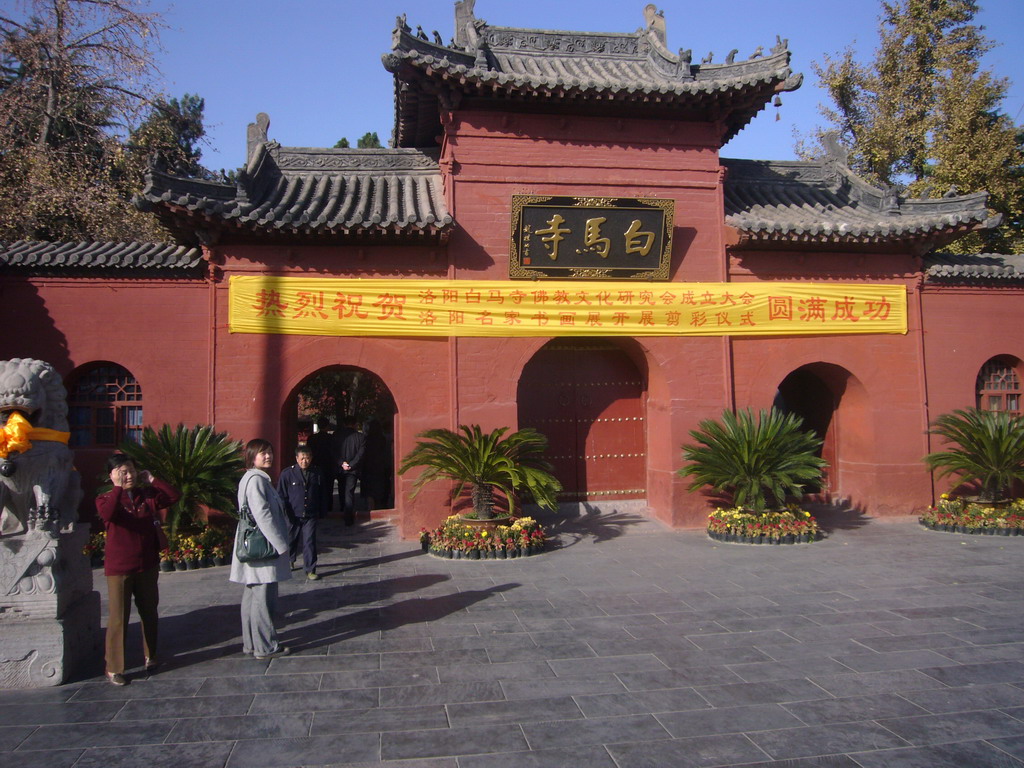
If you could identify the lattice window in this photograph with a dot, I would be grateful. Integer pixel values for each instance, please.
(104, 407)
(998, 387)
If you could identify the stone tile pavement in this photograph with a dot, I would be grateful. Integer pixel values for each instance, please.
(629, 645)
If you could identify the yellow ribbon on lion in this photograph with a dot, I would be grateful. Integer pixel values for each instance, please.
(17, 435)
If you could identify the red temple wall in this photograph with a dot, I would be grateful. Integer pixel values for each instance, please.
(878, 379)
(173, 335)
(966, 327)
(258, 374)
(493, 156)
(157, 330)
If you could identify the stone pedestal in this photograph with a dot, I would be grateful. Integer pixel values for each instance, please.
(49, 613)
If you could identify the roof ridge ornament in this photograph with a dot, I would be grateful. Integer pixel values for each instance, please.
(470, 33)
(256, 134)
(463, 17)
(834, 150)
(655, 26)
(475, 30)
(835, 165)
(656, 33)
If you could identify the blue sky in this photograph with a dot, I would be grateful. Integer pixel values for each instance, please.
(315, 65)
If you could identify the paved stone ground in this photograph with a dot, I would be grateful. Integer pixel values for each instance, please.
(628, 646)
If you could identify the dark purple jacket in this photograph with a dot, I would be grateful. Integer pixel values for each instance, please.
(301, 498)
(132, 543)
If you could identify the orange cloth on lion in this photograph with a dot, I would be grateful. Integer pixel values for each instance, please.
(17, 435)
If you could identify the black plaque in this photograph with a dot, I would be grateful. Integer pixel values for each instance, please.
(593, 238)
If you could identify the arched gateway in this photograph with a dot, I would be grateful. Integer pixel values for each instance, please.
(833, 404)
(334, 394)
(588, 398)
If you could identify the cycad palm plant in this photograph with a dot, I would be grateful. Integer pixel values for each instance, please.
(989, 449)
(759, 461)
(201, 463)
(484, 462)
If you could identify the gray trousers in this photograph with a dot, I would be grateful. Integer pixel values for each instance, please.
(259, 604)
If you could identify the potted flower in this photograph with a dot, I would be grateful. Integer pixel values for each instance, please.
(484, 463)
(760, 462)
(166, 561)
(178, 557)
(219, 554)
(95, 548)
(213, 545)
(191, 552)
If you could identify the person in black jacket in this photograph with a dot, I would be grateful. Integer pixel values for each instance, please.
(321, 442)
(301, 488)
(350, 445)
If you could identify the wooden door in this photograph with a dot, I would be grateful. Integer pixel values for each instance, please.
(587, 397)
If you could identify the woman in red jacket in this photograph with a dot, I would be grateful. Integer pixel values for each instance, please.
(132, 556)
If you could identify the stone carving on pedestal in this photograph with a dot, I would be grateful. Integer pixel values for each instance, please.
(49, 613)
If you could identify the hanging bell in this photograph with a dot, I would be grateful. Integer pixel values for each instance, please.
(7, 467)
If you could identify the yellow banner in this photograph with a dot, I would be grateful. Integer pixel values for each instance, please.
(316, 306)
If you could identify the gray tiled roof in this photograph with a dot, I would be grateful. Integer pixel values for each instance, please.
(951, 267)
(822, 202)
(153, 259)
(633, 71)
(357, 194)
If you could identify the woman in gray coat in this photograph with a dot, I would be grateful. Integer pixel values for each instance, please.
(259, 598)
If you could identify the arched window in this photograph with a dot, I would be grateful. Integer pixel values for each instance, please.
(104, 407)
(998, 387)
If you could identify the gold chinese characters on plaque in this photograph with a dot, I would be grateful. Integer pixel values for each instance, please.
(590, 238)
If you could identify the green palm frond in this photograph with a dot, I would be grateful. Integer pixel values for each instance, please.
(760, 461)
(200, 462)
(471, 457)
(989, 449)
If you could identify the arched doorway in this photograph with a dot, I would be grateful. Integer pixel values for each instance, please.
(805, 394)
(833, 404)
(588, 397)
(334, 395)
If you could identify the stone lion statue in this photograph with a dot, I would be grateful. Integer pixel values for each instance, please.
(39, 486)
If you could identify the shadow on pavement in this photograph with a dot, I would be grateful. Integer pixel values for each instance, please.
(586, 522)
(415, 610)
(839, 515)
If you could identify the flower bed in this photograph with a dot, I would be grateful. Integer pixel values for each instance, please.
(202, 549)
(789, 526)
(455, 540)
(957, 515)
(95, 548)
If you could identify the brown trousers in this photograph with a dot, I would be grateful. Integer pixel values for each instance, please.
(120, 591)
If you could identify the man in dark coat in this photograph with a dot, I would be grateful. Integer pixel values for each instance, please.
(301, 488)
(350, 445)
(321, 443)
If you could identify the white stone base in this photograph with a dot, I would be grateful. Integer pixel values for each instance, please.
(49, 612)
(38, 652)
